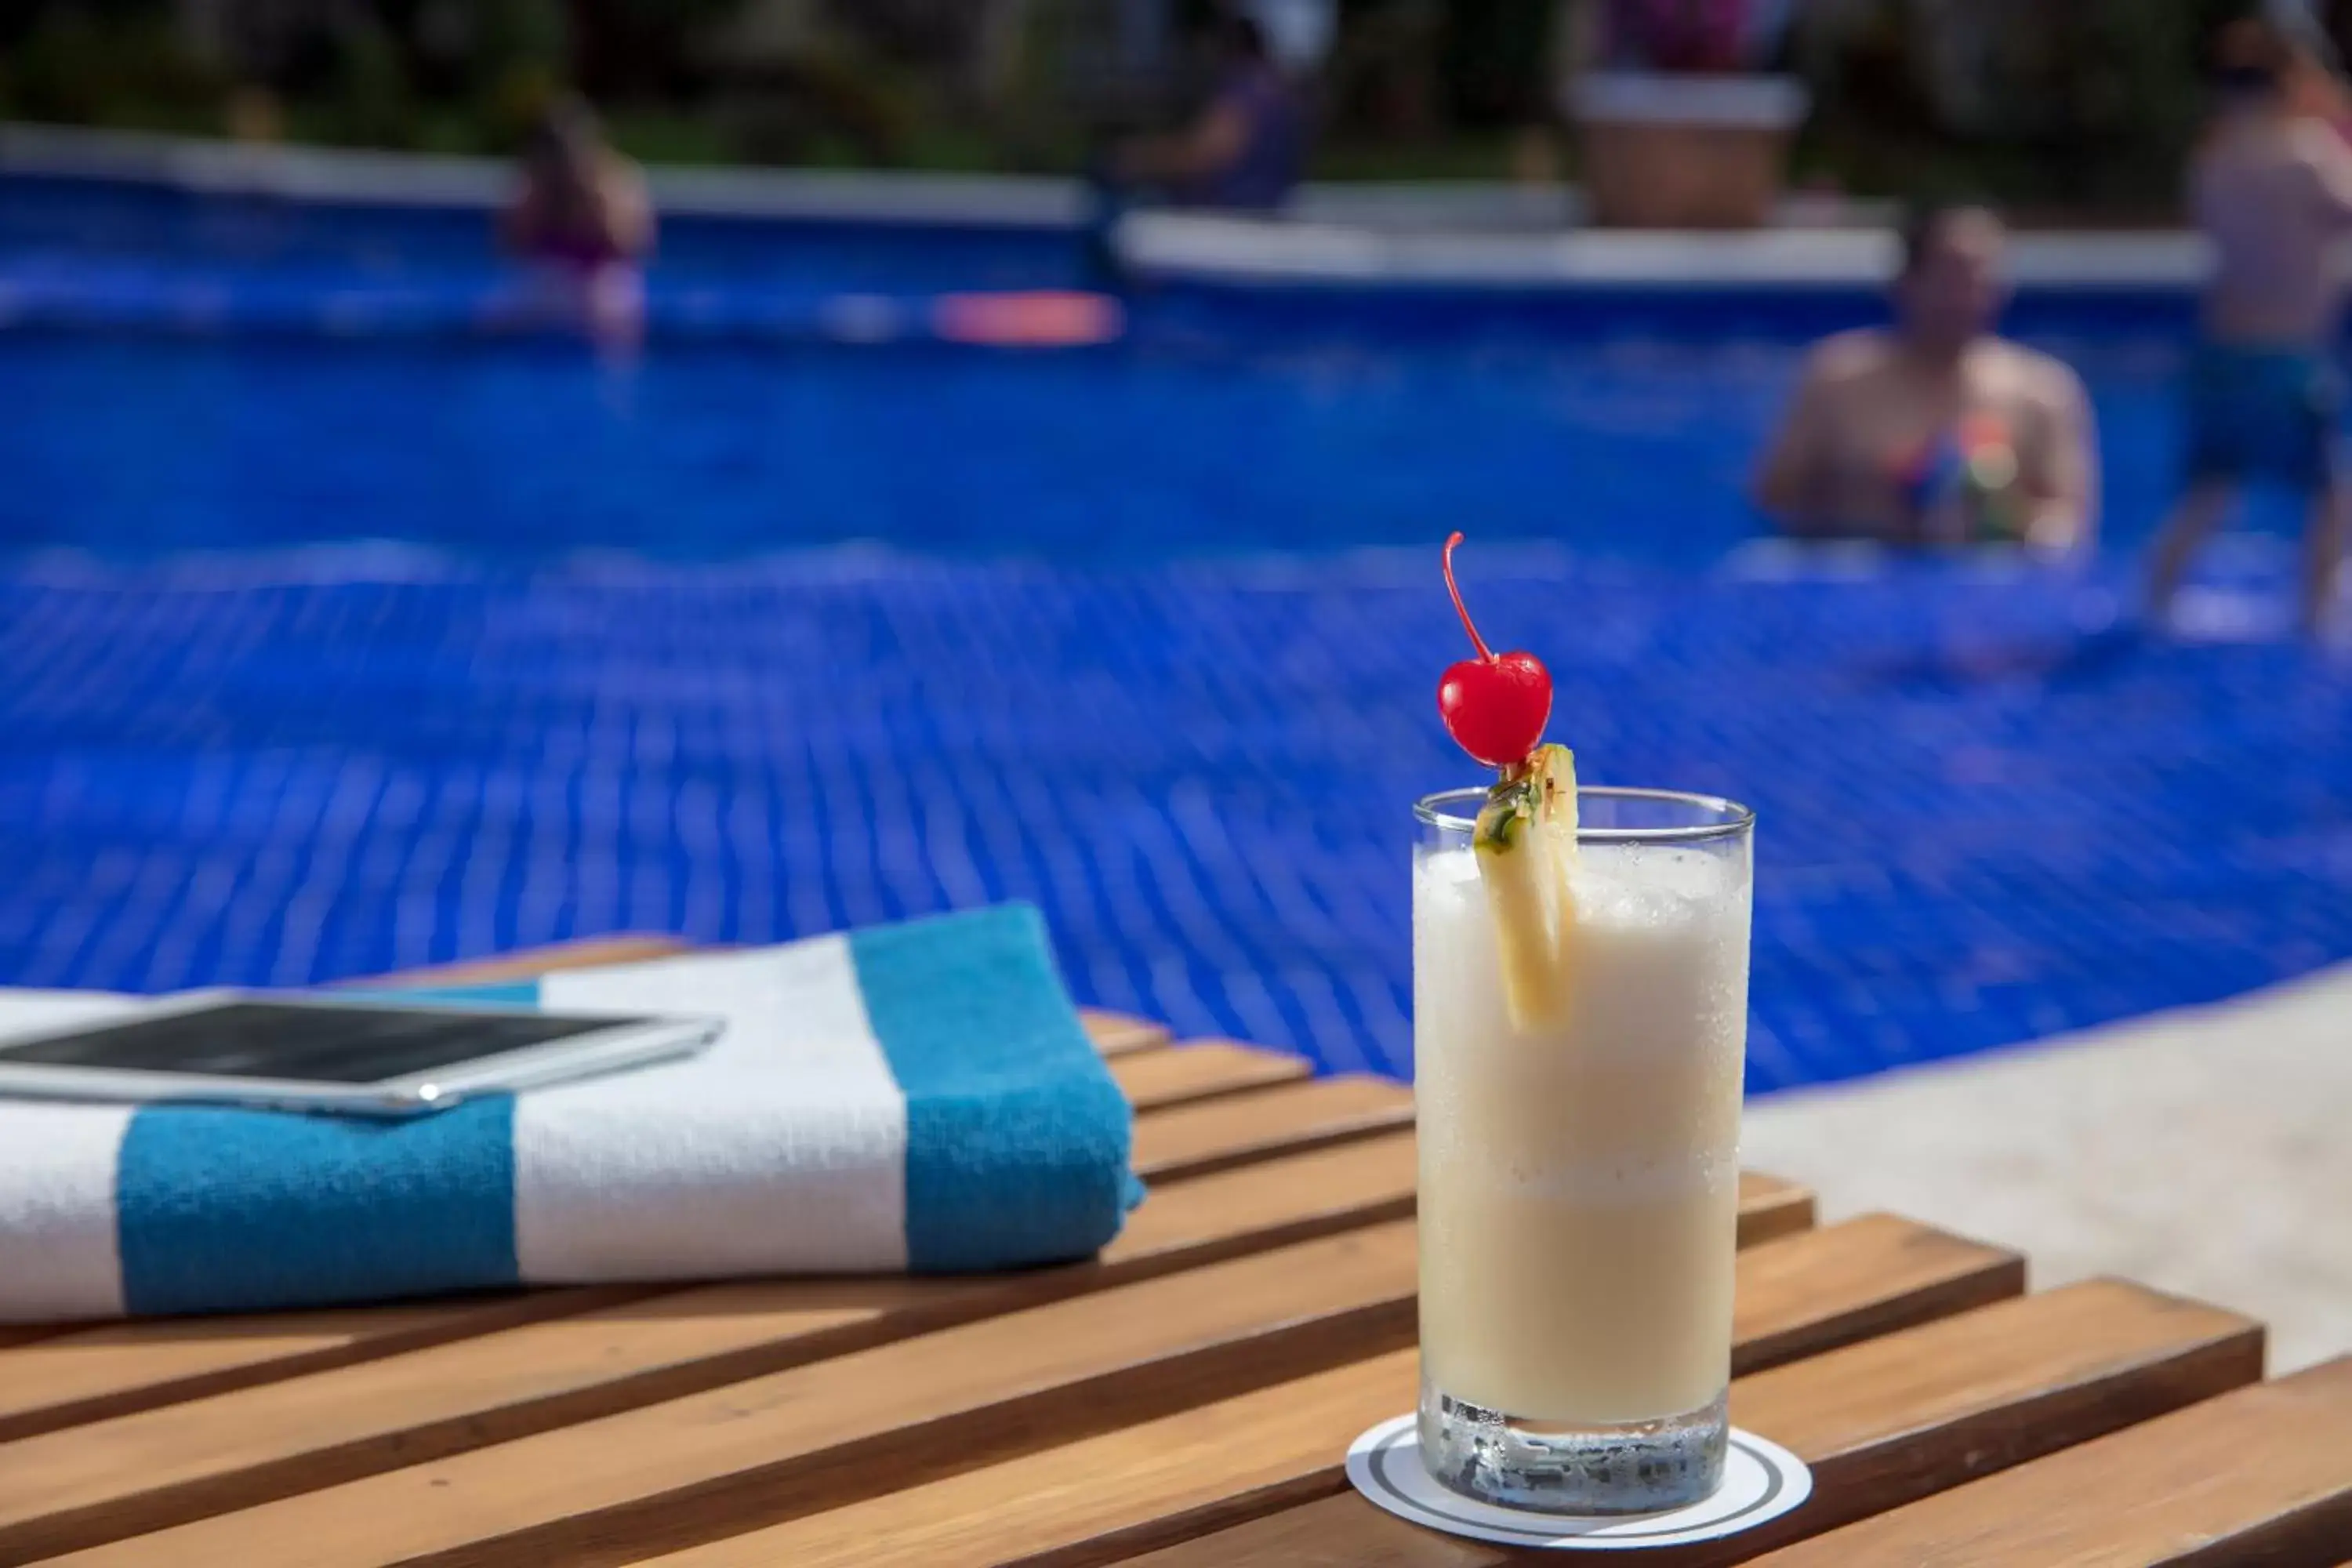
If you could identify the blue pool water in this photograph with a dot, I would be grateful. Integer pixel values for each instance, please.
(777, 631)
(1172, 442)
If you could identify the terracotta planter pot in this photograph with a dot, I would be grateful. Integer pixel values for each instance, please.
(1683, 152)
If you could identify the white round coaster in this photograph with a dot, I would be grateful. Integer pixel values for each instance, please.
(1761, 1480)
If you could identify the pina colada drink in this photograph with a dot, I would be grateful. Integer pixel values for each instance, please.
(1580, 1022)
(1580, 1176)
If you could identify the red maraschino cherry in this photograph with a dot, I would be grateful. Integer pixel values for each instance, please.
(1494, 706)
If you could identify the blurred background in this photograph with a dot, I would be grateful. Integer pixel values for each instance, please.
(2084, 108)
(474, 475)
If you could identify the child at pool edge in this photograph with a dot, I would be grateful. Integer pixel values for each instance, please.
(2271, 187)
(1937, 431)
(581, 212)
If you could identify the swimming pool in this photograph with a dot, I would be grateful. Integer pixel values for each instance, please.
(781, 630)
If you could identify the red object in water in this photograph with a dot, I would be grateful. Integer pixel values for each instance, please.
(1495, 705)
(1046, 318)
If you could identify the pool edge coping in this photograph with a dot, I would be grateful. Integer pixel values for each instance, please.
(1466, 236)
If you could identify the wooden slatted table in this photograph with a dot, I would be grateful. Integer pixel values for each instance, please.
(1183, 1400)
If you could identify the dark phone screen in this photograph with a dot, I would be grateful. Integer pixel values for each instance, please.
(288, 1040)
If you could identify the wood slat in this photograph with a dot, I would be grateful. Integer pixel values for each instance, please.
(1117, 1033)
(1377, 1174)
(1898, 1418)
(755, 1452)
(1201, 1069)
(2260, 1476)
(1275, 1200)
(1194, 1140)
(1373, 1178)
(779, 1446)
(142, 1471)
(95, 1373)
(1176, 1476)
(1880, 1422)
(1883, 1272)
(1771, 1207)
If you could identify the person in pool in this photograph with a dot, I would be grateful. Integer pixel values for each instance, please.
(1246, 149)
(2270, 186)
(1935, 431)
(579, 212)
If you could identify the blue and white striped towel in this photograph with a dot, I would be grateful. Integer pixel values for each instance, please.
(914, 1096)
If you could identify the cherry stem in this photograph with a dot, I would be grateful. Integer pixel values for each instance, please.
(1476, 640)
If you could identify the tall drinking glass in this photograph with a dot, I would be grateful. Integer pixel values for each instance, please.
(1580, 1181)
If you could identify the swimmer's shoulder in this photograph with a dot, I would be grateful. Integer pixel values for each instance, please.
(2029, 378)
(1846, 358)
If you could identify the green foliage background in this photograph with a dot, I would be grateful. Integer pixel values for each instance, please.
(2072, 104)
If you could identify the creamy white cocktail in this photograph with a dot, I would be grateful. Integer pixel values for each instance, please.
(1579, 1171)
(1579, 1030)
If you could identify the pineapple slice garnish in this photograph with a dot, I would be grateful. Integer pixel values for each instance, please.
(1526, 844)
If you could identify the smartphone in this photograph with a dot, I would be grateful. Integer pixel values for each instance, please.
(356, 1055)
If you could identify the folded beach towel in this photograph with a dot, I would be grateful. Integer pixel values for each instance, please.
(916, 1096)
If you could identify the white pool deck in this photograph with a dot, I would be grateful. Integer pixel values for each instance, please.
(2204, 1150)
